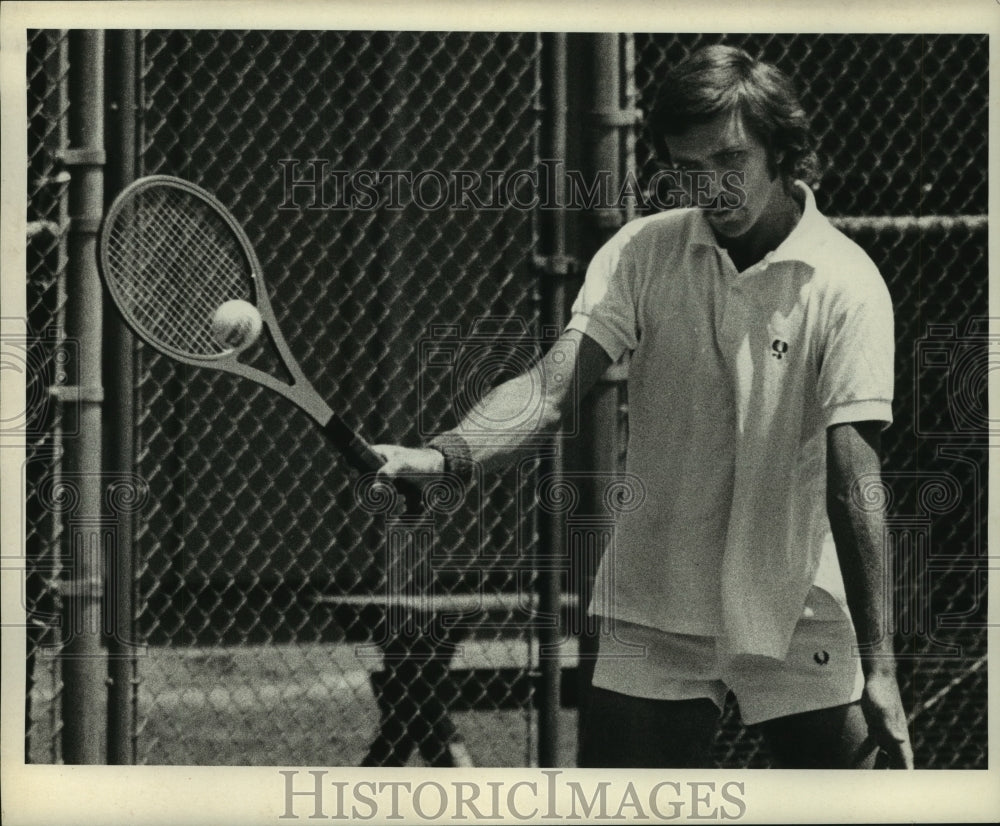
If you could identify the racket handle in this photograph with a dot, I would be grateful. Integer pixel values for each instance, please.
(361, 456)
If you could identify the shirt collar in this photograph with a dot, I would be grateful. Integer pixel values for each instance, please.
(801, 241)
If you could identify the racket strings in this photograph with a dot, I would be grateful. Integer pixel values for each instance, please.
(181, 249)
(175, 259)
(179, 259)
(164, 247)
(175, 303)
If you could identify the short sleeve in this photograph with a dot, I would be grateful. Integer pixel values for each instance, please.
(857, 352)
(605, 307)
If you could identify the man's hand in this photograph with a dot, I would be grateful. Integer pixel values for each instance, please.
(883, 709)
(401, 461)
(859, 533)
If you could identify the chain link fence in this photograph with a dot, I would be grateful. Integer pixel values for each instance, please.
(40, 355)
(262, 579)
(901, 124)
(255, 533)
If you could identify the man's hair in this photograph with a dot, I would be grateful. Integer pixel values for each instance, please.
(718, 79)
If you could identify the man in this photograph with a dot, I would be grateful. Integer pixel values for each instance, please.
(760, 378)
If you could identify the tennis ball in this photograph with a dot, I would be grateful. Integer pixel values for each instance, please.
(236, 324)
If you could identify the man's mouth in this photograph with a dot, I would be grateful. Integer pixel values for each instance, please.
(722, 207)
(723, 213)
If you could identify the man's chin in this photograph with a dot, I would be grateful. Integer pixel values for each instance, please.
(727, 222)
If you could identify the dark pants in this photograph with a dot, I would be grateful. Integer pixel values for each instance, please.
(412, 692)
(632, 732)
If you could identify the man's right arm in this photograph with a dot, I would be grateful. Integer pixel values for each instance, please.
(512, 415)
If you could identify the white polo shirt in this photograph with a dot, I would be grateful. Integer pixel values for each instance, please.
(733, 380)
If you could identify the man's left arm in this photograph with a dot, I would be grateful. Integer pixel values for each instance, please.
(857, 521)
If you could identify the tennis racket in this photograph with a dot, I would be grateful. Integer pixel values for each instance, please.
(170, 255)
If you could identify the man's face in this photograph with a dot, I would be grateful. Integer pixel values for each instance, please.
(736, 186)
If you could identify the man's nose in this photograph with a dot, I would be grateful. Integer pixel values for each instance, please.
(707, 189)
(710, 192)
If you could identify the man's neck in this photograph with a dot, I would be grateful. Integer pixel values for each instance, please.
(775, 225)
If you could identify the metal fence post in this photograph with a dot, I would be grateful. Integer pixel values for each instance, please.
(606, 120)
(84, 666)
(554, 267)
(119, 411)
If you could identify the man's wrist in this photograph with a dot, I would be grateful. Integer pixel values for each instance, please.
(878, 659)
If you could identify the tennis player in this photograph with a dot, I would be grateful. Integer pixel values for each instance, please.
(760, 346)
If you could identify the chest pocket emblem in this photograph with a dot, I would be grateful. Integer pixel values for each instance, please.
(779, 348)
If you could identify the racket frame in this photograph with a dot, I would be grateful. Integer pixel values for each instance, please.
(300, 391)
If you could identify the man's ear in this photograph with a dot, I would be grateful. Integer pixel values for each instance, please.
(777, 160)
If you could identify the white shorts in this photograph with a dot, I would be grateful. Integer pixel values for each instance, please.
(821, 670)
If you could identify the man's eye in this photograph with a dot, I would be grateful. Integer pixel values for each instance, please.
(733, 157)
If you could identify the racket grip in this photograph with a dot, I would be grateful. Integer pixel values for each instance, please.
(361, 456)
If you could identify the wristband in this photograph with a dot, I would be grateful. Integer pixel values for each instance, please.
(457, 455)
